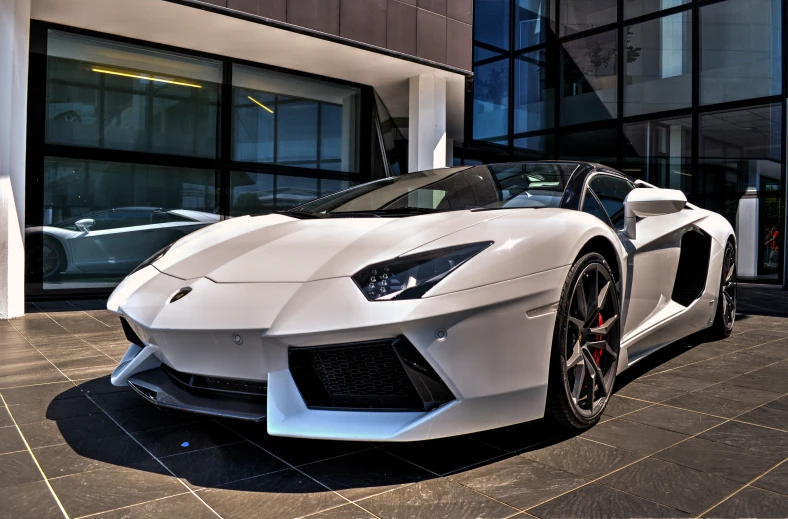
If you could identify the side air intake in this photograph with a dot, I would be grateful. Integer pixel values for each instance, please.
(693, 267)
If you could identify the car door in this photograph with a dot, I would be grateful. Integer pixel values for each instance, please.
(651, 262)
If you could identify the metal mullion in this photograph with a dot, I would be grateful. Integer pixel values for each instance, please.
(224, 137)
(621, 61)
(783, 274)
(669, 114)
(557, 74)
(510, 107)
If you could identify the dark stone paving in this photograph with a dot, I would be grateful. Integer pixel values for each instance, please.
(699, 429)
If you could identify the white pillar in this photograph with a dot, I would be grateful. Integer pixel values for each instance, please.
(427, 123)
(14, 48)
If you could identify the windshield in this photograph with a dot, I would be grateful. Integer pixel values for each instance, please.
(495, 186)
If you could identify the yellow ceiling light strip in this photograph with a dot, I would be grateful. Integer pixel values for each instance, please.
(258, 103)
(149, 78)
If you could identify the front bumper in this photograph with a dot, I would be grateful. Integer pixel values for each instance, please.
(492, 353)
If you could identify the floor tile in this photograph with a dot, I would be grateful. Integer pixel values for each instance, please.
(752, 502)
(673, 419)
(767, 416)
(763, 382)
(54, 410)
(140, 419)
(197, 435)
(633, 436)
(10, 440)
(750, 437)
(180, 505)
(69, 430)
(114, 487)
(41, 375)
(776, 480)
(672, 485)
(717, 458)
(516, 438)
(775, 350)
(780, 403)
(29, 500)
(715, 406)
(227, 463)
(18, 468)
(435, 498)
(5, 418)
(100, 386)
(710, 371)
(583, 457)
(648, 392)
(671, 380)
(296, 451)
(738, 393)
(618, 406)
(92, 454)
(519, 482)
(365, 473)
(445, 455)
(600, 501)
(118, 401)
(44, 393)
(286, 493)
(344, 512)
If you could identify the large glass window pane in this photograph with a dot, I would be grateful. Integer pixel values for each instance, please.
(743, 179)
(660, 152)
(294, 121)
(537, 147)
(658, 67)
(633, 8)
(597, 145)
(491, 100)
(533, 21)
(119, 96)
(741, 56)
(491, 22)
(102, 219)
(534, 92)
(581, 15)
(589, 79)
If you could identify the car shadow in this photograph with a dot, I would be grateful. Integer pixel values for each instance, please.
(121, 429)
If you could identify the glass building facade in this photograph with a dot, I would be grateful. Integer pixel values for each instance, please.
(131, 146)
(683, 94)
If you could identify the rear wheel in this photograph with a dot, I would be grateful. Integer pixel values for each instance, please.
(726, 304)
(586, 345)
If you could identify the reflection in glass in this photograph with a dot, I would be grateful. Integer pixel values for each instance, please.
(633, 8)
(288, 120)
(581, 15)
(491, 100)
(537, 147)
(102, 219)
(593, 145)
(740, 50)
(260, 193)
(534, 92)
(658, 68)
(660, 152)
(743, 178)
(491, 22)
(589, 79)
(119, 96)
(532, 22)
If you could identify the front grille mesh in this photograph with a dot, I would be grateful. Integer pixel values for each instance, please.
(361, 371)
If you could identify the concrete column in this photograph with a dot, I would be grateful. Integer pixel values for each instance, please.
(14, 48)
(427, 123)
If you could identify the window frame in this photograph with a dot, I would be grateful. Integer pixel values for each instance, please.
(587, 188)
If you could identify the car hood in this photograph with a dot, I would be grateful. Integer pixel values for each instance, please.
(279, 248)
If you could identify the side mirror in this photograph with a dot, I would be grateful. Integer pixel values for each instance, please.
(85, 224)
(644, 202)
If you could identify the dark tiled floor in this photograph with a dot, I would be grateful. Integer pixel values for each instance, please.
(699, 429)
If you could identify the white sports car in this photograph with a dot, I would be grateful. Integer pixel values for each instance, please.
(427, 305)
(112, 241)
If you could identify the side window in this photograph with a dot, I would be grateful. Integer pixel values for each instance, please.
(591, 206)
(611, 192)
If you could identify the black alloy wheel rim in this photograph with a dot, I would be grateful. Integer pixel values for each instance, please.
(592, 341)
(728, 288)
(50, 260)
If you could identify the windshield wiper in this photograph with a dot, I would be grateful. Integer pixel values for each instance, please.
(302, 215)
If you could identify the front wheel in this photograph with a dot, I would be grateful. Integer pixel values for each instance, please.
(586, 345)
(726, 304)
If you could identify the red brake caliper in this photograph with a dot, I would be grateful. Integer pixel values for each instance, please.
(597, 355)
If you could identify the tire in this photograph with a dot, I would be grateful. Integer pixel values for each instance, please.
(725, 315)
(52, 259)
(580, 358)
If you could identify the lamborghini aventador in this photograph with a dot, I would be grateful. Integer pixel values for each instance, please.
(427, 305)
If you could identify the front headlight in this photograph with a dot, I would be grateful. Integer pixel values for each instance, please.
(152, 259)
(411, 276)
